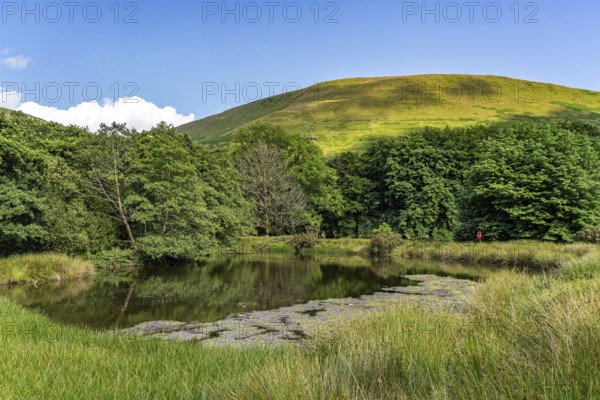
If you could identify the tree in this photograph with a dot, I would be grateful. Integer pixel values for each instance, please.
(102, 158)
(223, 192)
(306, 162)
(357, 193)
(170, 216)
(420, 194)
(150, 184)
(22, 204)
(156, 192)
(534, 181)
(267, 180)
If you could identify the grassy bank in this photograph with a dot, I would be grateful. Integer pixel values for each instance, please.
(274, 244)
(43, 267)
(523, 336)
(530, 255)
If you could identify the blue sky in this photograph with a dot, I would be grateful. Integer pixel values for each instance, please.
(183, 54)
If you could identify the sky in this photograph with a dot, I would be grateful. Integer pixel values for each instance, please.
(142, 62)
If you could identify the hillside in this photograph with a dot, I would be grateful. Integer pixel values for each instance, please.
(345, 114)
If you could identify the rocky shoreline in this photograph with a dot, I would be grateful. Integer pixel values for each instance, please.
(299, 323)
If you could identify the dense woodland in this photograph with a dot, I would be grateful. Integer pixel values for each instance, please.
(163, 196)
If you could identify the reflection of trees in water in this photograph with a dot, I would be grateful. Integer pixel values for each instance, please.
(28, 295)
(217, 288)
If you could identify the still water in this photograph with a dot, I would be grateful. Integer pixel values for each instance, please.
(212, 290)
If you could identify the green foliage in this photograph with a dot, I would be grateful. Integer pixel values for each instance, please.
(358, 198)
(116, 260)
(382, 244)
(231, 211)
(279, 201)
(305, 240)
(170, 217)
(383, 228)
(73, 222)
(167, 198)
(415, 179)
(22, 204)
(306, 162)
(534, 181)
(68, 190)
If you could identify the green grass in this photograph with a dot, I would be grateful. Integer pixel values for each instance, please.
(522, 337)
(33, 268)
(531, 255)
(272, 244)
(347, 114)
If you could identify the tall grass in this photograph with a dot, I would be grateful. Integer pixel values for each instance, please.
(33, 268)
(530, 255)
(522, 336)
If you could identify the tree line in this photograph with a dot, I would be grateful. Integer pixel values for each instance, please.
(166, 197)
(527, 181)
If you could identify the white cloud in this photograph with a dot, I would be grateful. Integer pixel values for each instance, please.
(135, 112)
(15, 62)
(9, 99)
(6, 51)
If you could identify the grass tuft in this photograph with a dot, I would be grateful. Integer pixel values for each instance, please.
(33, 268)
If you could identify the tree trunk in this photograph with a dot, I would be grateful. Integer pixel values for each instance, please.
(120, 205)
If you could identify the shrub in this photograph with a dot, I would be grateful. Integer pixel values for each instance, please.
(383, 228)
(382, 244)
(590, 235)
(306, 240)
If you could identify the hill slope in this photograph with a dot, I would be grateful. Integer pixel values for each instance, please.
(345, 114)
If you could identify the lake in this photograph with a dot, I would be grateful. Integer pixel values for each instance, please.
(212, 290)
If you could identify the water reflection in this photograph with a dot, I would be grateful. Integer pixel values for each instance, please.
(212, 290)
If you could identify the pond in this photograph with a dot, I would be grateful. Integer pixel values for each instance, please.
(212, 290)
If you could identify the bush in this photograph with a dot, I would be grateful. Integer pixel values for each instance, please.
(590, 235)
(306, 240)
(383, 228)
(382, 244)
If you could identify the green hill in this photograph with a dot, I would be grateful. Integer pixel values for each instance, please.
(345, 114)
